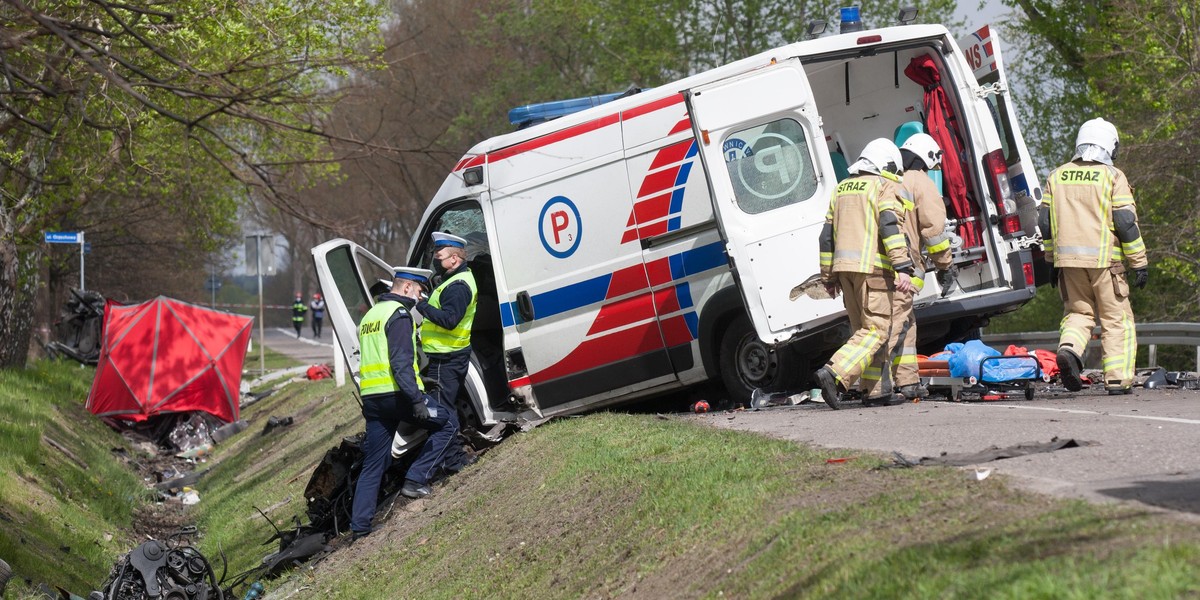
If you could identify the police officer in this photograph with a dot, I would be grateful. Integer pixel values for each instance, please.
(298, 310)
(392, 392)
(924, 224)
(1089, 225)
(318, 314)
(865, 257)
(446, 331)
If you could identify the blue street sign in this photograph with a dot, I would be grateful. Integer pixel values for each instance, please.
(62, 237)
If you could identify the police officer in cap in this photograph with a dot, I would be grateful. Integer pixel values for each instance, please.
(449, 313)
(392, 392)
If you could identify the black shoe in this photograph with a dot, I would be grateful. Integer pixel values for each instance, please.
(1069, 369)
(1119, 391)
(914, 391)
(415, 490)
(358, 535)
(886, 400)
(829, 387)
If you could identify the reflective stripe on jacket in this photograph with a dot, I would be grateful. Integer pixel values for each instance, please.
(1082, 200)
(859, 236)
(440, 340)
(375, 366)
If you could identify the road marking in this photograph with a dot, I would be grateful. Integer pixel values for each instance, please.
(1087, 412)
(292, 332)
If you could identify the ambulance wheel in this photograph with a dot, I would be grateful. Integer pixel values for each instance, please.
(747, 363)
(1029, 391)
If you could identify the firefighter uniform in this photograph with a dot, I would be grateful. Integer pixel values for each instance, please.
(1089, 225)
(861, 248)
(924, 224)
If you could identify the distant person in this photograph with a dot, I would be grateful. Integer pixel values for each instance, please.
(1089, 225)
(298, 310)
(318, 314)
(449, 314)
(924, 225)
(393, 392)
(864, 256)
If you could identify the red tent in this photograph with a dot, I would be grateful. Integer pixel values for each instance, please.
(167, 356)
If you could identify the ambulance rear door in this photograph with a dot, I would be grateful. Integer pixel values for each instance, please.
(982, 51)
(764, 153)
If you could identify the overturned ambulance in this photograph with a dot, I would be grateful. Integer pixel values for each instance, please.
(663, 238)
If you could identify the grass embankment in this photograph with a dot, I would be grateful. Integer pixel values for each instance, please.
(612, 505)
(66, 500)
(633, 505)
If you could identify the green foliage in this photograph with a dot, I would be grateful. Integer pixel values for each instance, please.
(1133, 63)
(547, 50)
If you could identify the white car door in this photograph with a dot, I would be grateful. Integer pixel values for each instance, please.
(771, 177)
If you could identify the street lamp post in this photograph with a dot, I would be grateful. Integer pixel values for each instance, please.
(258, 270)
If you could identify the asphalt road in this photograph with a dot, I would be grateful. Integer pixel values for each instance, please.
(305, 349)
(1146, 447)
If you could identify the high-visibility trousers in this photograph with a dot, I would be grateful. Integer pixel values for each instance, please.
(1099, 295)
(902, 344)
(868, 302)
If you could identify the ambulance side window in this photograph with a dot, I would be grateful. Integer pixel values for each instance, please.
(770, 165)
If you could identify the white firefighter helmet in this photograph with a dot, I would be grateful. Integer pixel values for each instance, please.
(922, 145)
(1098, 132)
(880, 154)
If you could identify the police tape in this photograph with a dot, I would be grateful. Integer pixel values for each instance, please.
(287, 306)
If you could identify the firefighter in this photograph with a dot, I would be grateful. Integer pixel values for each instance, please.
(298, 310)
(1089, 225)
(449, 314)
(393, 392)
(924, 224)
(318, 314)
(864, 256)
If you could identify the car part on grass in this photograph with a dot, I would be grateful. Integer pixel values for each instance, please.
(5, 575)
(164, 570)
(78, 328)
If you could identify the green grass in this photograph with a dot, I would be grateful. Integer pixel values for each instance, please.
(611, 505)
(58, 513)
(599, 506)
(273, 360)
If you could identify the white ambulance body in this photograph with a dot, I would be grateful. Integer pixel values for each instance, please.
(661, 239)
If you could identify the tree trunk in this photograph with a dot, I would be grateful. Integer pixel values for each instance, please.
(18, 283)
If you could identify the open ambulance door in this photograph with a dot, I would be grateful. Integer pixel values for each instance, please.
(761, 144)
(982, 51)
(347, 272)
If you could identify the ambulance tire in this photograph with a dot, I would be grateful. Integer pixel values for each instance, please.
(746, 363)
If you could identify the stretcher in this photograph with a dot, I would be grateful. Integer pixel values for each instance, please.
(983, 385)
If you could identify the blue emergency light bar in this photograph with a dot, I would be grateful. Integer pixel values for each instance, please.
(532, 114)
(851, 21)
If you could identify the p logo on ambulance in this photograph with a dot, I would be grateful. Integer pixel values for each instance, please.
(769, 167)
(559, 227)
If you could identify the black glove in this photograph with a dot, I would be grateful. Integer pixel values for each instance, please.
(947, 278)
(1053, 277)
(420, 411)
(1139, 277)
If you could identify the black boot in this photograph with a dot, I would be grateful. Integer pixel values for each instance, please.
(829, 387)
(1069, 368)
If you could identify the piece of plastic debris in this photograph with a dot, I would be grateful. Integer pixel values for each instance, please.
(190, 496)
(842, 459)
(980, 474)
(700, 406)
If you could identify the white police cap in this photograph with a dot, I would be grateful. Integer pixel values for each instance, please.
(420, 276)
(445, 239)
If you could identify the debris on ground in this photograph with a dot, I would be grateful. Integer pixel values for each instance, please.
(274, 422)
(79, 328)
(155, 569)
(989, 455)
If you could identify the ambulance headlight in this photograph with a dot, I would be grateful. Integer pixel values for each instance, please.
(907, 15)
(816, 28)
(473, 176)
